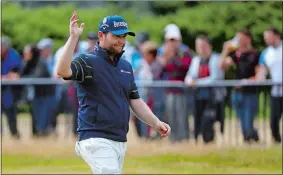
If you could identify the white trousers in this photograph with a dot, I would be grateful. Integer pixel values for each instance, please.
(104, 156)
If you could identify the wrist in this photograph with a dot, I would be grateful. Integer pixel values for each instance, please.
(224, 53)
(155, 123)
(74, 37)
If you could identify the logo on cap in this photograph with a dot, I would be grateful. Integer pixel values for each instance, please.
(104, 20)
(119, 24)
(115, 24)
(104, 25)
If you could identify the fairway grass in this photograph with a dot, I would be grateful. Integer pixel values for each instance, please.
(263, 161)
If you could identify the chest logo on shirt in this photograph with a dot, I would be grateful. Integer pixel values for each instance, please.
(123, 71)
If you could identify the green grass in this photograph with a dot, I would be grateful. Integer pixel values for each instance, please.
(234, 161)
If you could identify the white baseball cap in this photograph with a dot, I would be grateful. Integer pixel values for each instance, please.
(170, 26)
(172, 31)
(45, 43)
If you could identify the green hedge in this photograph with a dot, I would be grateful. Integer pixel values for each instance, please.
(219, 19)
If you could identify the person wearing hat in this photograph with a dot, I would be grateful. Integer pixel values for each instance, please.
(176, 60)
(137, 57)
(46, 46)
(132, 53)
(172, 32)
(106, 90)
(47, 58)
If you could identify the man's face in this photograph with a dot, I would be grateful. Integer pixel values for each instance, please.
(173, 43)
(148, 56)
(27, 55)
(114, 43)
(203, 48)
(243, 40)
(269, 38)
(44, 53)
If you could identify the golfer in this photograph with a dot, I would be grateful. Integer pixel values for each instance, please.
(105, 89)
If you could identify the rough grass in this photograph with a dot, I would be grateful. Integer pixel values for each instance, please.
(232, 161)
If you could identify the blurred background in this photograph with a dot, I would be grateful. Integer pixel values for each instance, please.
(225, 117)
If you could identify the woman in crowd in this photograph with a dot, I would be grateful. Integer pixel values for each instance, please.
(38, 96)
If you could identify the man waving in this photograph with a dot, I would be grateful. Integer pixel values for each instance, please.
(106, 89)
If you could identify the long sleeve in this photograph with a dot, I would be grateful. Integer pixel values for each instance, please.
(193, 69)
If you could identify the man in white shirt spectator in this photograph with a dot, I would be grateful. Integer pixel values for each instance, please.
(271, 61)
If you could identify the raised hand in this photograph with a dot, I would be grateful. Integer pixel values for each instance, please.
(75, 30)
(227, 47)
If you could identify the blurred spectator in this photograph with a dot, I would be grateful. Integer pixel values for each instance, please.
(133, 54)
(209, 102)
(149, 71)
(129, 50)
(176, 61)
(88, 45)
(91, 40)
(10, 67)
(31, 56)
(271, 60)
(43, 101)
(46, 46)
(173, 31)
(149, 51)
(137, 57)
(244, 99)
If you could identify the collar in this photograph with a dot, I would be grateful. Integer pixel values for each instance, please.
(206, 59)
(105, 54)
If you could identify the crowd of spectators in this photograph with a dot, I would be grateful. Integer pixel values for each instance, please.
(172, 61)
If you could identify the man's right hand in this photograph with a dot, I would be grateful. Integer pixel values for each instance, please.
(169, 53)
(225, 62)
(63, 66)
(227, 47)
(75, 30)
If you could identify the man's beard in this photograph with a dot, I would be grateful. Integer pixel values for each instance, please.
(113, 52)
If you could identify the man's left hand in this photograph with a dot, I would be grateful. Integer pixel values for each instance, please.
(163, 129)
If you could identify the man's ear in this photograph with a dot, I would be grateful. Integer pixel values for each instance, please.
(100, 35)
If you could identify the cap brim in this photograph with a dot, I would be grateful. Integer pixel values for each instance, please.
(122, 32)
(173, 37)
